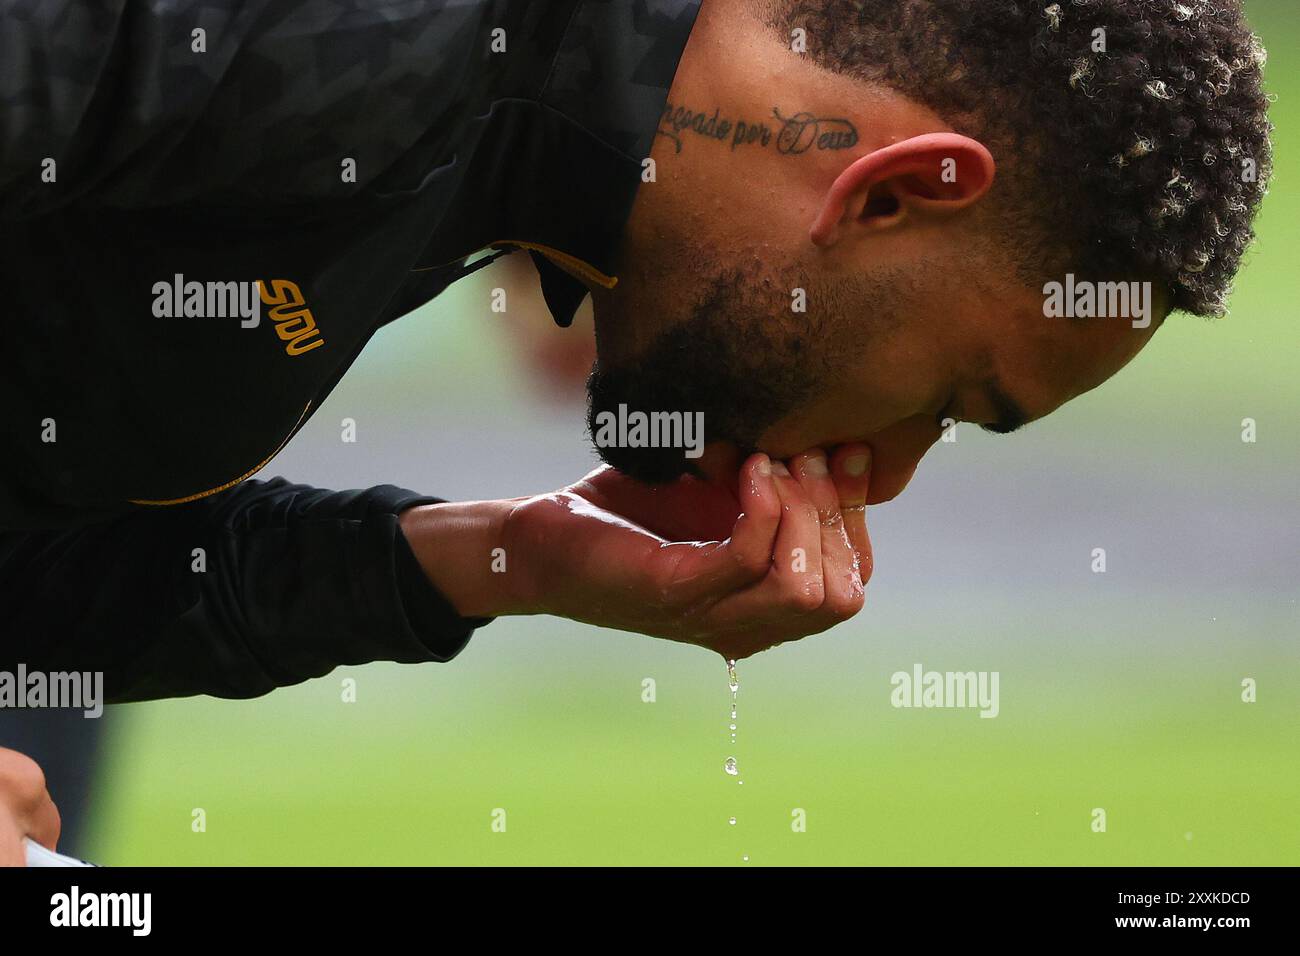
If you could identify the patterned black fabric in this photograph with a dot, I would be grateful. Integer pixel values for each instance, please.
(221, 161)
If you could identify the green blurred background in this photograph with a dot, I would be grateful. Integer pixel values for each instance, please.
(1119, 690)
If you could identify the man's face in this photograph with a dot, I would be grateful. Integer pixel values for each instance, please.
(784, 347)
(881, 357)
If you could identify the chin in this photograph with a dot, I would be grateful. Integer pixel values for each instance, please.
(879, 496)
(888, 481)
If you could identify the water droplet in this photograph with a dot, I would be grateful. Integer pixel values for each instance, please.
(733, 726)
(745, 858)
(732, 679)
(730, 766)
(732, 821)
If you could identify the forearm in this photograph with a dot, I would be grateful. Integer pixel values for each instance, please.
(463, 550)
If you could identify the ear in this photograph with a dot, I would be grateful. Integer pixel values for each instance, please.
(937, 173)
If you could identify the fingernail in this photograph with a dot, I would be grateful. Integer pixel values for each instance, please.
(856, 465)
(764, 467)
(815, 466)
(778, 468)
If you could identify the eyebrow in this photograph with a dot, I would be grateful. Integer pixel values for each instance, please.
(1009, 415)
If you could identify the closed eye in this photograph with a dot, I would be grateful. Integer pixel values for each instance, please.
(1008, 415)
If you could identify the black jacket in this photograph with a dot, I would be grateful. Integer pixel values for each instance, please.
(212, 140)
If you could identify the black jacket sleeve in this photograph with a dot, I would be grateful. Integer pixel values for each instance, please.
(262, 586)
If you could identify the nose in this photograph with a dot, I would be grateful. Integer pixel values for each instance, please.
(895, 453)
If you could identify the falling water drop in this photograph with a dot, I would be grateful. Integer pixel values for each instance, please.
(733, 683)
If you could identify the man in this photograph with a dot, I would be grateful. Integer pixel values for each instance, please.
(833, 229)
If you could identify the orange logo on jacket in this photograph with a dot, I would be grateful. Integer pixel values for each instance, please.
(293, 320)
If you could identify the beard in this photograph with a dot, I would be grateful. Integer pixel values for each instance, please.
(742, 358)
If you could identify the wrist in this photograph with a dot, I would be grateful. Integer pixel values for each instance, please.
(461, 547)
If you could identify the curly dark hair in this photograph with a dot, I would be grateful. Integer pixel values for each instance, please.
(1142, 149)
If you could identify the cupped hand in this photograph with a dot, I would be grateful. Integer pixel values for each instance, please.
(784, 556)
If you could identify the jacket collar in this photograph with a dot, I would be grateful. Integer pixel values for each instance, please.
(570, 167)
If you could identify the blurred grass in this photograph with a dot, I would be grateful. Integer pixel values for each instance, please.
(588, 773)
